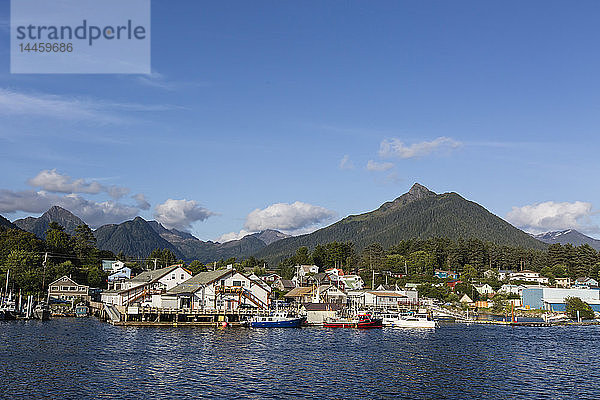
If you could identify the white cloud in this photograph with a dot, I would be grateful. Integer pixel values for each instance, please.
(53, 181)
(376, 166)
(551, 216)
(180, 214)
(93, 213)
(287, 217)
(228, 237)
(13, 103)
(395, 148)
(141, 201)
(346, 163)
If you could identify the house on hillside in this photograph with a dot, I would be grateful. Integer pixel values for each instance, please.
(441, 274)
(351, 282)
(563, 282)
(484, 289)
(112, 266)
(303, 272)
(270, 278)
(65, 288)
(585, 283)
(528, 276)
(143, 286)
(223, 289)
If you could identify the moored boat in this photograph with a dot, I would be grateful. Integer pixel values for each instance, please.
(41, 312)
(418, 320)
(362, 321)
(277, 320)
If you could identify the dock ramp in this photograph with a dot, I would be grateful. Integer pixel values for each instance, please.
(112, 313)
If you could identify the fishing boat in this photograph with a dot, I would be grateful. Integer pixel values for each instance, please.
(362, 321)
(418, 320)
(277, 320)
(41, 311)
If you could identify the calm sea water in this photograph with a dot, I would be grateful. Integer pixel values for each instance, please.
(84, 358)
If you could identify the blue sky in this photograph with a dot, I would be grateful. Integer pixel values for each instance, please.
(291, 115)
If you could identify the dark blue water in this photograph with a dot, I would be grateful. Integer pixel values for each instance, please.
(84, 358)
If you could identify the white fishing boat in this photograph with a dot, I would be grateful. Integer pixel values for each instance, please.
(420, 319)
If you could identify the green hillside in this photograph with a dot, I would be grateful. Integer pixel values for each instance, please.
(419, 213)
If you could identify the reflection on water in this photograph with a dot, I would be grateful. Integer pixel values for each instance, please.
(83, 358)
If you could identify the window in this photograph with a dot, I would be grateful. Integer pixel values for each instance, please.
(173, 276)
(182, 276)
(237, 283)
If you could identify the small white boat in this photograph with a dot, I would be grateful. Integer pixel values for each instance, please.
(417, 320)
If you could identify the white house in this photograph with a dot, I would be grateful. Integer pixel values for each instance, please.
(223, 289)
(512, 289)
(65, 288)
(484, 289)
(563, 282)
(302, 272)
(585, 283)
(383, 298)
(351, 282)
(141, 287)
(528, 276)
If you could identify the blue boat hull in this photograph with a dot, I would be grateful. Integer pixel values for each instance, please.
(292, 323)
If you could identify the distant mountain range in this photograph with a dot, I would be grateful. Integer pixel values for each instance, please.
(420, 213)
(568, 236)
(139, 237)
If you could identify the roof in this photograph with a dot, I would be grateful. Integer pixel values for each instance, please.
(322, 306)
(386, 294)
(68, 279)
(286, 283)
(153, 275)
(199, 280)
(298, 292)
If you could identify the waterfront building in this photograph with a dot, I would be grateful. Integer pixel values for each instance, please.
(383, 298)
(284, 285)
(223, 289)
(65, 288)
(300, 294)
(317, 313)
(553, 299)
(143, 286)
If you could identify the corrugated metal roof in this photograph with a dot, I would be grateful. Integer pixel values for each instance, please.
(199, 280)
(153, 275)
(298, 291)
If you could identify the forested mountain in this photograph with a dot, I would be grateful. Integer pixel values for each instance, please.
(39, 226)
(5, 223)
(134, 238)
(569, 236)
(420, 213)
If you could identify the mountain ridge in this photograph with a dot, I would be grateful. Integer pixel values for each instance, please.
(419, 213)
(39, 225)
(568, 236)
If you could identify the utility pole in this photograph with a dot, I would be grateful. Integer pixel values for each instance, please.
(44, 273)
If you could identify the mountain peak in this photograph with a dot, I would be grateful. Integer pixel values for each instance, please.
(419, 191)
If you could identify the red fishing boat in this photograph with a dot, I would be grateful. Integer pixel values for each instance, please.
(362, 321)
